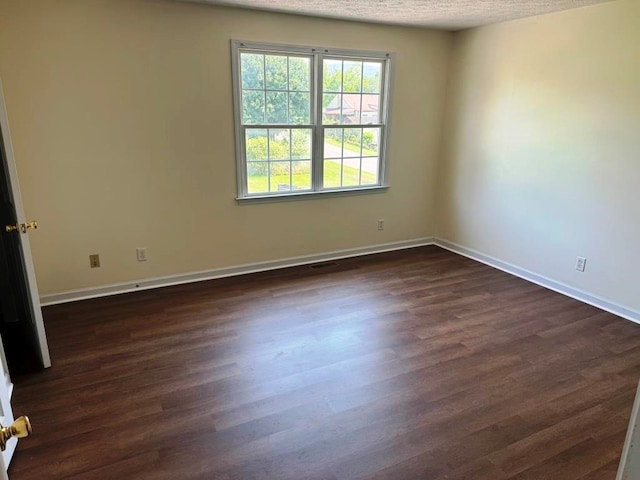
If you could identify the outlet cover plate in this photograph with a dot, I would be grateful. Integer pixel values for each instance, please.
(141, 254)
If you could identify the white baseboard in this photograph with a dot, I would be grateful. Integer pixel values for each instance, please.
(117, 288)
(563, 288)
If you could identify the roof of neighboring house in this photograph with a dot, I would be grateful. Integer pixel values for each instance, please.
(351, 104)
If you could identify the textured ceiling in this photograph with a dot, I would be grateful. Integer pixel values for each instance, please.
(444, 14)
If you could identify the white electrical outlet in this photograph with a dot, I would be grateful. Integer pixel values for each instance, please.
(141, 254)
(581, 263)
(380, 224)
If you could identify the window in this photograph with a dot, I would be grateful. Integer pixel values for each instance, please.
(309, 120)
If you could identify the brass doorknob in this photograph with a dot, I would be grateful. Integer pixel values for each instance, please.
(32, 224)
(20, 428)
(21, 226)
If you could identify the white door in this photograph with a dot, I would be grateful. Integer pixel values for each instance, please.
(17, 240)
(6, 413)
(629, 468)
(19, 278)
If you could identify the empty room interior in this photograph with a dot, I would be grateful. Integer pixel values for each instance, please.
(328, 240)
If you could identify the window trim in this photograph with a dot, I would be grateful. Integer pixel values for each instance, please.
(317, 54)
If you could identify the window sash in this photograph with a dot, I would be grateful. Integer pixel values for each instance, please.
(316, 56)
(381, 142)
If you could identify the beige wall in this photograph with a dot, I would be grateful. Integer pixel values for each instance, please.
(121, 118)
(543, 147)
(122, 125)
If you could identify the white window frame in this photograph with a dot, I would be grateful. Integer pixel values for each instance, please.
(317, 54)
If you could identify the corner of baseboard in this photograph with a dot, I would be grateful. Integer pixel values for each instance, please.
(557, 286)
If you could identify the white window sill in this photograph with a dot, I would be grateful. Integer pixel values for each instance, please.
(287, 197)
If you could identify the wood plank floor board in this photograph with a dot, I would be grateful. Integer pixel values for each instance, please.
(133, 467)
(608, 471)
(418, 364)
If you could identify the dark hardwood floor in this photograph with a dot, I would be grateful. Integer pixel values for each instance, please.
(418, 364)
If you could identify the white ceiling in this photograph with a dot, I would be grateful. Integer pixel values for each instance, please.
(443, 14)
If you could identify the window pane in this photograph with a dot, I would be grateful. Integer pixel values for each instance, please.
(352, 77)
(332, 75)
(279, 144)
(370, 109)
(299, 108)
(371, 77)
(351, 172)
(252, 66)
(333, 143)
(351, 105)
(280, 176)
(256, 145)
(257, 179)
(370, 171)
(276, 72)
(277, 107)
(252, 107)
(352, 142)
(301, 144)
(371, 142)
(299, 74)
(350, 108)
(301, 175)
(332, 173)
(331, 108)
